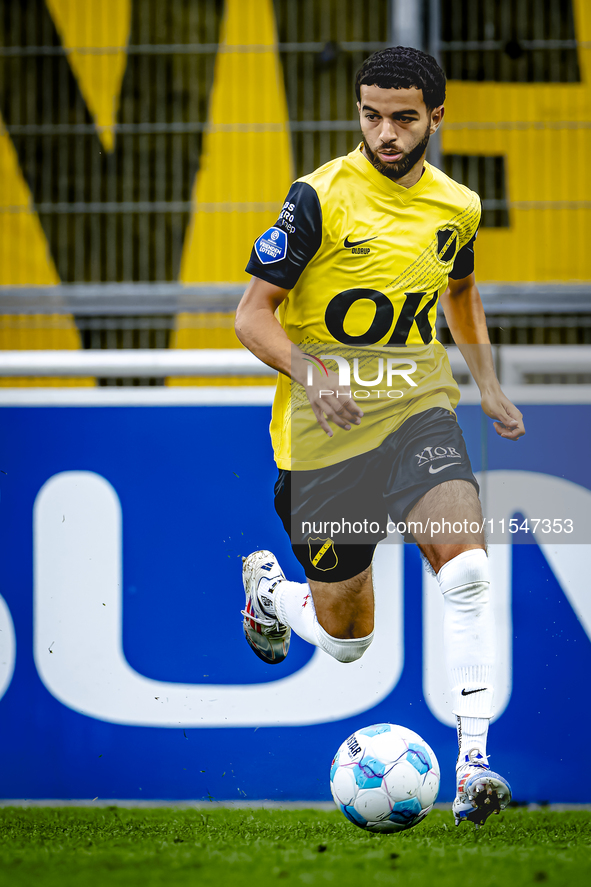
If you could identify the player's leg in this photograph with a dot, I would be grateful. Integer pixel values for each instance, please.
(434, 491)
(335, 616)
(345, 609)
(468, 628)
(334, 608)
(461, 565)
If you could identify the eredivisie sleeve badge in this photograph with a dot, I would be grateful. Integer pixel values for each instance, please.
(271, 246)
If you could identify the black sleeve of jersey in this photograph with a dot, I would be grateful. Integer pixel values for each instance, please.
(464, 262)
(301, 218)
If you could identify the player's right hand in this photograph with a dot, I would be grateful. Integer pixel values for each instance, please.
(333, 404)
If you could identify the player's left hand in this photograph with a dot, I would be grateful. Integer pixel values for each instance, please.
(509, 422)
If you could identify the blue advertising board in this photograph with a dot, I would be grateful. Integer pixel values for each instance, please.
(123, 669)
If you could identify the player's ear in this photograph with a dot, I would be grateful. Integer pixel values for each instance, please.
(436, 118)
(359, 107)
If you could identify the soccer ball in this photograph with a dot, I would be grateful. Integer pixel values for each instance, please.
(384, 778)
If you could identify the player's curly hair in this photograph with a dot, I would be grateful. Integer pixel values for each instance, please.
(402, 67)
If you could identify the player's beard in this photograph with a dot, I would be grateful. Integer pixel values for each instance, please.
(401, 167)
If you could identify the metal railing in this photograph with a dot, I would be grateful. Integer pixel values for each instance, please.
(136, 362)
(515, 365)
(172, 298)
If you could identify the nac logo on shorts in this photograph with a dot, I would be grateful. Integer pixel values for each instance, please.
(322, 553)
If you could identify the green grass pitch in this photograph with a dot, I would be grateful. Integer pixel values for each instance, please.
(47, 847)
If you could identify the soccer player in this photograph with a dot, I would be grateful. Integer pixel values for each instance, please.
(343, 303)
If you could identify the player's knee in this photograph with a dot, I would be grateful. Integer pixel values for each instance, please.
(349, 623)
(342, 649)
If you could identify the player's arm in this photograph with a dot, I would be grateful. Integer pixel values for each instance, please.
(278, 258)
(467, 323)
(259, 330)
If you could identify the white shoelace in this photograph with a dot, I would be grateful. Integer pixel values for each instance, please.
(254, 618)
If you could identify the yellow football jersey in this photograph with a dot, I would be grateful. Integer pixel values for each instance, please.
(365, 260)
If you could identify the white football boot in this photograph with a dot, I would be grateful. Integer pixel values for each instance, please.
(268, 637)
(479, 792)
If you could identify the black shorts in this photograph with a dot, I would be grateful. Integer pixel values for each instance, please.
(336, 516)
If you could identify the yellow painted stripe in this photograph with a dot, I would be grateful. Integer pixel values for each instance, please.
(24, 254)
(246, 157)
(95, 25)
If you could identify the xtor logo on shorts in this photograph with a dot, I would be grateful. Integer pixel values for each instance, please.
(322, 553)
(433, 454)
(447, 244)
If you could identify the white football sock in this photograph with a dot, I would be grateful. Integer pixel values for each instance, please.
(294, 606)
(472, 733)
(469, 641)
(342, 649)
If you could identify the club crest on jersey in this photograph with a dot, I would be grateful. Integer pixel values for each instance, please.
(322, 553)
(271, 246)
(447, 244)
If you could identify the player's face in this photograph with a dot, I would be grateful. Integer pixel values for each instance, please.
(396, 127)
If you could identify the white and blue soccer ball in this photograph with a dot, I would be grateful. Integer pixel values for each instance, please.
(384, 778)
